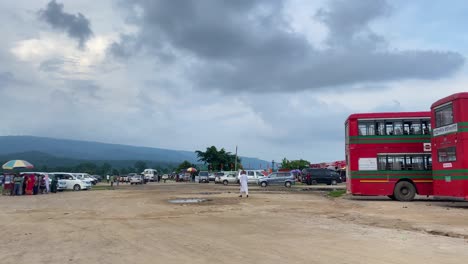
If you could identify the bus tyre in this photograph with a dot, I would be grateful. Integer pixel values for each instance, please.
(404, 191)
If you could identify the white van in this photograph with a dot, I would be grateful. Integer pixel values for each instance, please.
(252, 175)
(68, 181)
(150, 174)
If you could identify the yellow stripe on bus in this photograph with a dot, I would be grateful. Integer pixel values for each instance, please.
(423, 180)
(373, 181)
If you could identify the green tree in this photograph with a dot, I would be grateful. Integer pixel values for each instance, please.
(217, 159)
(184, 165)
(123, 171)
(105, 169)
(294, 164)
(140, 166)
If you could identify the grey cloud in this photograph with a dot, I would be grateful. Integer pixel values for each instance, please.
(86, 89)
(248, 46)
(76, 26)
(6, 78)
(348, 22)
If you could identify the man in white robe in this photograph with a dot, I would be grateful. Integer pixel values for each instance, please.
(244, 187)
(47, 182)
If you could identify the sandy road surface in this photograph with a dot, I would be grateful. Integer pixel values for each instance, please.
(136, 224)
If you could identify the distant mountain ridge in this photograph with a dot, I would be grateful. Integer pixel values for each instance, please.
(67, 150)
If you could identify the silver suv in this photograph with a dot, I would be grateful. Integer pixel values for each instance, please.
(204, 177)
(278, 178)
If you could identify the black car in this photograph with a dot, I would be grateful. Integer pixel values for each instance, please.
(326, 176)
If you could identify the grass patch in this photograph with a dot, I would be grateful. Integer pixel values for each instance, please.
(101, 187)
(337, 193)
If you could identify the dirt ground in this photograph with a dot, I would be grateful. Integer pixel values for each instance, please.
(137, 224)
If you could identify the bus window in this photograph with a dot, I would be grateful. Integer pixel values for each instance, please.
(418, 163)
(428, 162)
(415, 128)
(408, 163)
(398, 128)
(362, 129)
(389, 128)
(444, 116)
(447, 154)
(371, 129)
(426, 127)
(397, 163)
(389, 163)
(406, 127)
(382, 163)
(380, 126)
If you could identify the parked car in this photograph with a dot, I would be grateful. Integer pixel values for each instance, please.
(326, 176)
(68, 181)
(86, 177)
(150, 175)
(252, 175)
(165, 177)
(212, 177)
(278, 178)
(220, 174)
(230, 178)
(203, 177)
(136, 179)
(97, 177)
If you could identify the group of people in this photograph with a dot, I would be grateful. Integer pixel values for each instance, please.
(28, 184)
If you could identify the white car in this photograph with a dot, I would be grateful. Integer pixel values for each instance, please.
(150, 174)
(86, 177)
(68, 181)
(230, 178)
(220, 174)
(136, 179)
(253, 175)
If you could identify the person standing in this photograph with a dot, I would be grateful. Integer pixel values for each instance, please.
(53, 184)
(244, 187)
(29, 184)
(47, 183)
(42, 184)
(18, 187)
(7, 184)
(309, 179)
(36, 184)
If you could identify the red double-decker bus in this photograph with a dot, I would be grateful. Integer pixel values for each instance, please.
(450, 146)
(389, 154)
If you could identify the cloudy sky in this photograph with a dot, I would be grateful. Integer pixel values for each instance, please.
(276, 78)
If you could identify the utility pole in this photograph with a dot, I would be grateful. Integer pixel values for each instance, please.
(273, 165)
(235, 161)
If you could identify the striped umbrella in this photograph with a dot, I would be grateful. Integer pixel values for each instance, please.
(17, 164)
(191, 170)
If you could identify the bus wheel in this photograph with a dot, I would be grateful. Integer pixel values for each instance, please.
(404, 191)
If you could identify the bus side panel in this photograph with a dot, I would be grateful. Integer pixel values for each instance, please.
(371, 187)
(425, 188)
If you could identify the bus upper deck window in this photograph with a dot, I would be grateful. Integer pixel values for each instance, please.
(415, 128)
(389, 128)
